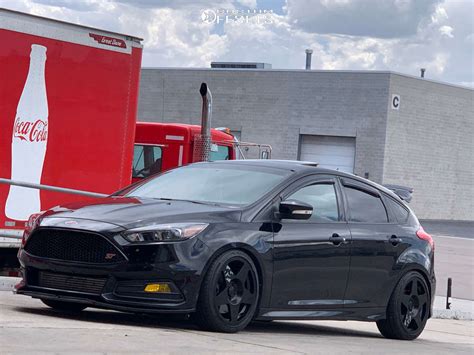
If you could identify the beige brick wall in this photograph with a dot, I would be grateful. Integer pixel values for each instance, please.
(430, 145)
(427, 144)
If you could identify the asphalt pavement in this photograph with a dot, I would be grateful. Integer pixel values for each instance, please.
(459, 229)
(454, 256)
(27, 326)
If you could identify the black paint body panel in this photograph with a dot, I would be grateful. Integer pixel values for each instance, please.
(303, 274)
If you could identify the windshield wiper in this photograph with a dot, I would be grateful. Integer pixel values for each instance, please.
(192, 201)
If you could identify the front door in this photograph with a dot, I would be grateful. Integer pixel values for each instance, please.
(311, 257)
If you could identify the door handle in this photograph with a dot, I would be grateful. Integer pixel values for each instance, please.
(394, 240)
(336, 239)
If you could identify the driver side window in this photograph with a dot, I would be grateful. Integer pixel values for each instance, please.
(146, 160)
(323, 199)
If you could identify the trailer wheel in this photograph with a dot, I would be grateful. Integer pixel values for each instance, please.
(64, 306)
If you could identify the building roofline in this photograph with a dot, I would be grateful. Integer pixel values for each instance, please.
(387, 72)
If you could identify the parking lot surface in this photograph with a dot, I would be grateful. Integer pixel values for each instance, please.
(454, 259)
(29, 326)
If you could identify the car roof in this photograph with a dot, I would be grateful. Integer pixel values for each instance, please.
(302, 168)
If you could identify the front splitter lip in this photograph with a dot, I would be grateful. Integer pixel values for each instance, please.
(99, 304)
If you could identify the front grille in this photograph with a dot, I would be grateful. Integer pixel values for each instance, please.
(91, 285)
(72, 246)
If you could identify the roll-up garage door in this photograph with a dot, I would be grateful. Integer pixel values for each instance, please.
(329, 151)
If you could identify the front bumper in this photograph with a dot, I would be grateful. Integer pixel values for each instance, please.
(120, 286)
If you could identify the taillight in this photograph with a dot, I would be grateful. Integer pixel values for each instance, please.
(425, 236)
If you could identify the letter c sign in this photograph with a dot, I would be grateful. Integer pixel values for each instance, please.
(395, 102)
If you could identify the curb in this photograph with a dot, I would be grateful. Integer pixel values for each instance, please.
(452, 314)
(7, 283)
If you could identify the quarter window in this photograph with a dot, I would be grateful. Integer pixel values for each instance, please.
(365, 207)
(323, 199)
(398, 211)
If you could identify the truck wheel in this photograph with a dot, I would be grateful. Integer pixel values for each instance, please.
(407, 310)
(64, 306)
(229, 294)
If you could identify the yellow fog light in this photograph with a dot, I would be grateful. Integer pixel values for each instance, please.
(158, 288)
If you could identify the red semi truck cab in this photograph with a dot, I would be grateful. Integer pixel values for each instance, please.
(163, 146)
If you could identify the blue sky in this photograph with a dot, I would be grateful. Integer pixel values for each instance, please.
(397, 35)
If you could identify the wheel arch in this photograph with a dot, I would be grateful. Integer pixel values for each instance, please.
(252, 253)
(413, 259)
(420, 270)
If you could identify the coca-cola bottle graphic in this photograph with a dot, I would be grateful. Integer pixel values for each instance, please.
(29, 139)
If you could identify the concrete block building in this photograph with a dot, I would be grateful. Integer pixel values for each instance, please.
(388, 127)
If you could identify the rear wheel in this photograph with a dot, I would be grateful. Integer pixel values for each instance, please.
(229, 294)
(408, 309)
(64, 306)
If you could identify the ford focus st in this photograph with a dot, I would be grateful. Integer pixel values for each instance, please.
(229, 242)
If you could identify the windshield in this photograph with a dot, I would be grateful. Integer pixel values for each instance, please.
(236, 185)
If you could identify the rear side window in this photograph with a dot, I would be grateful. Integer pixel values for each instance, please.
(398, 211)
(365, 207)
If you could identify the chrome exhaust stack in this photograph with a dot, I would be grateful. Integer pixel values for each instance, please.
(203, 141)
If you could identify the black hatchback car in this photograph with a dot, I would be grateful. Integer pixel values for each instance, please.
(229, 242)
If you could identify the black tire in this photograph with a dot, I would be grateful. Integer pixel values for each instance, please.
(408, 308)
(229, 294)
(64, 306)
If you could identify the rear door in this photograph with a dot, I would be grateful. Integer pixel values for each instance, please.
(311, 257)
(376, 246)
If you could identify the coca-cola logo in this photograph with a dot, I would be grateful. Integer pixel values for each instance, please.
(31, 131)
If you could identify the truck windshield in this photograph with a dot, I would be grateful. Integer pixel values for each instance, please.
(234, 186)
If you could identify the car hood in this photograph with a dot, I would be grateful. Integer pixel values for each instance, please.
(131, 212)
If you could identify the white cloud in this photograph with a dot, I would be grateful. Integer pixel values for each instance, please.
(446, 31)
(398, 35)
(383, 19)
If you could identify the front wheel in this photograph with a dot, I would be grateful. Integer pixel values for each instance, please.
(408, 309)
(229, 293)
(64, 306)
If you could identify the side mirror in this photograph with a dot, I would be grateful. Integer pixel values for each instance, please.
(294, 209)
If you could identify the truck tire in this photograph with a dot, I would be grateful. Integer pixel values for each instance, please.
(229, 294)
(64, 306)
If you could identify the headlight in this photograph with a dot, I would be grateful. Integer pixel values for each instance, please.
(173, 232)
(33, 221)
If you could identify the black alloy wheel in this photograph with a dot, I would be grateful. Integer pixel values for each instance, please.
(408, 309)
(229, 293)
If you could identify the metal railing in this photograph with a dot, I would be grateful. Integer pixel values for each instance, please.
(51, 188)
(17, 234)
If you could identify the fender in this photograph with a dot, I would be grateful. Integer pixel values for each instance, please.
(255, 240)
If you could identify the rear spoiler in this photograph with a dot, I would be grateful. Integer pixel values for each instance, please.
(404, 192)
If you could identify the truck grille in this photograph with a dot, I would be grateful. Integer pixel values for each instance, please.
(91, 285)
(72, 246)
